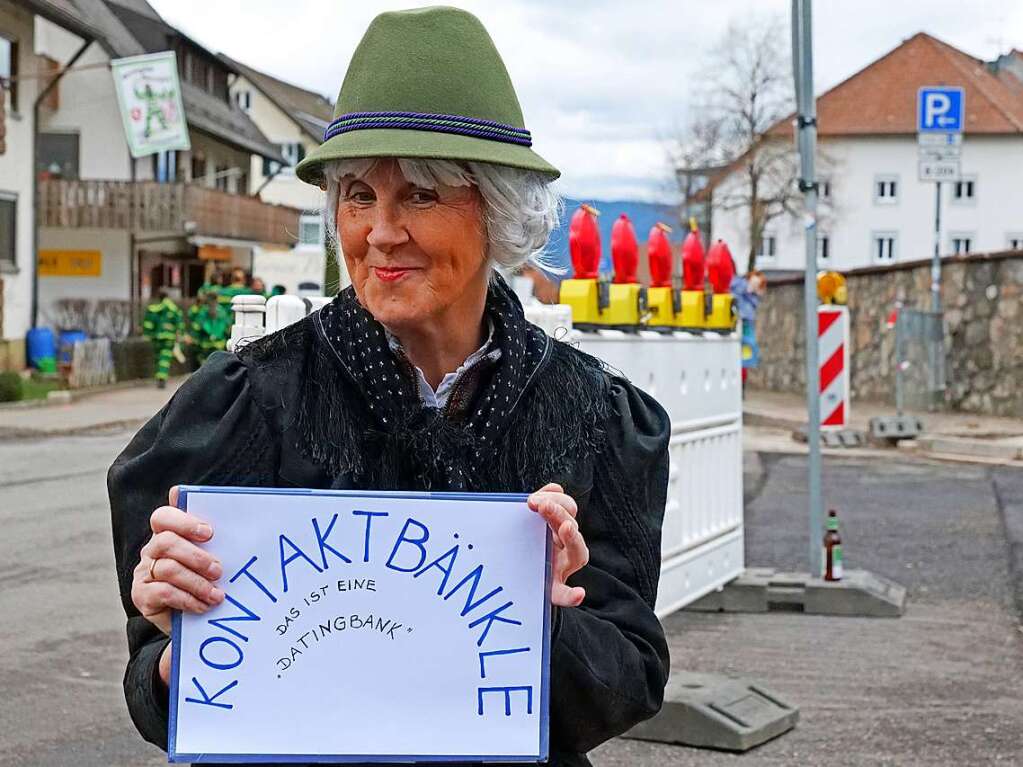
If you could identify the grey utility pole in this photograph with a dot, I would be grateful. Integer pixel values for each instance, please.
(936, 261)
(806, 108)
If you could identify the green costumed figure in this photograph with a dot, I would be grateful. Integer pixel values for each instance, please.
(209, 328)
(238, 286)
(209, 290)
(162, 324)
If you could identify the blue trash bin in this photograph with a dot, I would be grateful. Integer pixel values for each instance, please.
(42, 350)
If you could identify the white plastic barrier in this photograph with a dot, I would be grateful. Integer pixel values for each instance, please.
(696, 378)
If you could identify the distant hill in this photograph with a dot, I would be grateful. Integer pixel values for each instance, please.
(642, 214)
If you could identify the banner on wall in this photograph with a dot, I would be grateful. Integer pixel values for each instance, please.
(149, 95)
(70, 263)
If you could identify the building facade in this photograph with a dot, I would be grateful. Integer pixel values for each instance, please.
(874, 210)
(294, 120)
(85, 227)
(23, 80)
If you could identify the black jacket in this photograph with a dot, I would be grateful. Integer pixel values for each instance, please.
(246, 420)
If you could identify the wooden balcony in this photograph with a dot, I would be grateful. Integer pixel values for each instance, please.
(148, 206)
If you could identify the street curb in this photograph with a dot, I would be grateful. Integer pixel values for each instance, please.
(70, 396)
(968, 447)
(755, 418)
(1012, 526)
(11, 433)
(940, 447)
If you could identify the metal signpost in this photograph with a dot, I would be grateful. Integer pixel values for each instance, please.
(802, 69)
(939, 126)
(940, 114)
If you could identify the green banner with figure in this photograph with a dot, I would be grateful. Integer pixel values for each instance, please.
(149, 95)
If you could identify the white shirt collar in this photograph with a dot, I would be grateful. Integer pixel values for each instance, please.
(439, 398)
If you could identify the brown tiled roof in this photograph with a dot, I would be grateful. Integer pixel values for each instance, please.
(881, 98)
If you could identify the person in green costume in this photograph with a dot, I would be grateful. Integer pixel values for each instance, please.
(239, 286)
(162, 324)
(209, 327)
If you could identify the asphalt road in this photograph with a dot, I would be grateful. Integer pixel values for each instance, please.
(939, 686)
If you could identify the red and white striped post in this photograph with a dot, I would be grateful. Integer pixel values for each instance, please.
(833, 362)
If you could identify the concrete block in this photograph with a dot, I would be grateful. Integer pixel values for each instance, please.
(892, 428)
(859, 593)
(758, 590)
(717, 711)
(833, 437)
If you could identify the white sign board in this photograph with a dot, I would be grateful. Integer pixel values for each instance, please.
(361, 627)
(149, 96)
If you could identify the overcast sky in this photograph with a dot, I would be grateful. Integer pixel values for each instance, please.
(601, 82)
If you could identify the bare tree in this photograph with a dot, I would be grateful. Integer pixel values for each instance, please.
(745, 91)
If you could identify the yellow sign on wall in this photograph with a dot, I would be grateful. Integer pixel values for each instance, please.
(215, 253)
(70, 263)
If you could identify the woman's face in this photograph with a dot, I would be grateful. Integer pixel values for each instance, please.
(414, 254)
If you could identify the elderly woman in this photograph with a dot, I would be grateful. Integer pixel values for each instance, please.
(424, 375)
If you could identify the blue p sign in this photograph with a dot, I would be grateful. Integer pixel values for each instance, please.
(940, 110)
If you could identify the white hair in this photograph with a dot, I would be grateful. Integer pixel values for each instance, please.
(520, 210)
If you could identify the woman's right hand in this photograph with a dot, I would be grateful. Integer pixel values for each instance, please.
(173, 573)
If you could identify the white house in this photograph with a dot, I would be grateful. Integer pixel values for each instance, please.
(24, 76)
(874, 210)
(164, 220)
(293, 119)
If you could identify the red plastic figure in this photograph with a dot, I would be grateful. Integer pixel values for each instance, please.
(658, 250)
(584, 243)
(624, 250)
(692, 259)
(720, 267)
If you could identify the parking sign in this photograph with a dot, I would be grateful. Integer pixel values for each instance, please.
(940, 110)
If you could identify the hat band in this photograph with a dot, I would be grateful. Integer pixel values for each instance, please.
(458, 124)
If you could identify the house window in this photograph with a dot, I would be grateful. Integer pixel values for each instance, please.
(58, 156)
(884, 247)
(8, 211)
(310, 229)
(768, 249)
(198, 169)
(165, 166)
(1014, 240)
(964, 190)
(270, 167)
(886, 190)
(294, 153)
(9, 69)
(823, 248)
(244, 99)
(961, 243)
(220, 181)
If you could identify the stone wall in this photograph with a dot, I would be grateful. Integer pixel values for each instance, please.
(983, 331)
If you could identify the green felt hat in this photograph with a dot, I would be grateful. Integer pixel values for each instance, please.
(427, 83)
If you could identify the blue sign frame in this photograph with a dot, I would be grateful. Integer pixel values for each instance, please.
(545, 689)
(952, 115)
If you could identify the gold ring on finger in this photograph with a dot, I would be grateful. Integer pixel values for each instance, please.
(152, 566)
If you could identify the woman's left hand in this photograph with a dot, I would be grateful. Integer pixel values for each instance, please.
(570, 551)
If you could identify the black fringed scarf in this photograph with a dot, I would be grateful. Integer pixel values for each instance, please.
(426, 447)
